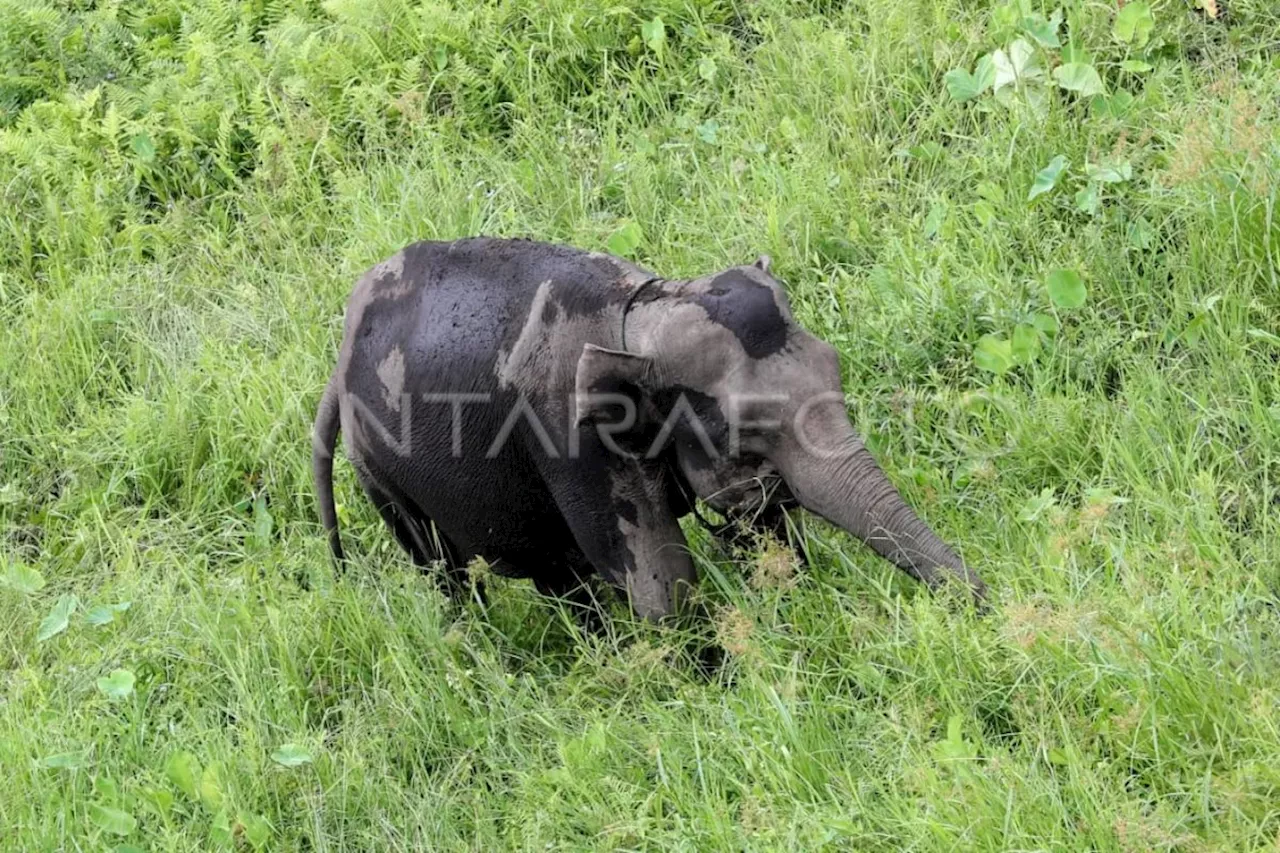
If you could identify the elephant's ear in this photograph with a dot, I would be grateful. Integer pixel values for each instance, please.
(604, 377)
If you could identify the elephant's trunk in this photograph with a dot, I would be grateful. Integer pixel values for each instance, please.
(837, 478)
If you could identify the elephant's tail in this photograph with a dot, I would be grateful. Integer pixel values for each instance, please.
(324, 438)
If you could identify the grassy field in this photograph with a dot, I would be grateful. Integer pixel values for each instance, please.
(1045, 244)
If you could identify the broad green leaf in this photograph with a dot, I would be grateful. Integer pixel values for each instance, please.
(1191, 334)
(1136, 66)
(1075, 52)
(1046, 324)
(1095, 496)
(1047, 178)
(257, 831)
(1109, 172)
(56, 622)
(160, 799)
(1141, 233)
(211, 785)
(263, 523)
(1066, 288)
(291, 755)
(1035, 507)
(985, 211)
(655, 34)
(1019, 65)
(963, 86)
(1134, 23)
(183, 770)
(1088, 199)
(22, 578)
(63, 760)
(707, 69)
(709, 131)
(1114, 105)
(103, 614)
(991, 192)
(1042, 29)
(930, 150)
(143, 147)
(220, 830)
(1078, 77)
(625, 240)
(117, 685)
(935, 219)
(112, 820)
(993, 354)
(984, 73)
(107, 789)
(1025, 345)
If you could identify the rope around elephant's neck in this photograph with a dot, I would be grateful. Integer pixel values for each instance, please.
(631, 300)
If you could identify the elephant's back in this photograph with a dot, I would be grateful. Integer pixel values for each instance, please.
(452, 308)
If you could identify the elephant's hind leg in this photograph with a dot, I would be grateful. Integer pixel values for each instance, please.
(423, 540)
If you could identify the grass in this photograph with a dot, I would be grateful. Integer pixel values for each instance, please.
(190, 190)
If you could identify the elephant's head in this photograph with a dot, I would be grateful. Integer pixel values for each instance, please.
(751, 404)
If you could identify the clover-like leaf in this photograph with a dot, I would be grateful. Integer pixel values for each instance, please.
(1134, 23)
(291, 755)
(117, 685)
(104, 614)
(1080, 78)
(1109, 172)
(263, 523)
(183, 770)
(963, 86)
(210, 787)
(655, 34)
(1019, 65)
(256, 830)
(63, 760)
(1066, 288)
(625, 240)
(112, 820)
(1035, 507)
(22, 578)
(1044, 30)
(1088, 199)
(1025, 344)
(1047, 178)
(56, 622)
(1046, 324)
(994, 354)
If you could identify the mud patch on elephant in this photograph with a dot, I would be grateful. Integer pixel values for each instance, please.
(391, 374)
(387, 278)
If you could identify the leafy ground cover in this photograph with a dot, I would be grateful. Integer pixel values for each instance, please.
(1044, 239)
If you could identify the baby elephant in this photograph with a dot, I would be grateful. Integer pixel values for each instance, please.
(556, 412)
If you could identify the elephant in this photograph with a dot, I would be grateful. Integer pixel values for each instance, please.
(556, 412)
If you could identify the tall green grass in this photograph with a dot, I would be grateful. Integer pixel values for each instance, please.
(189, 191)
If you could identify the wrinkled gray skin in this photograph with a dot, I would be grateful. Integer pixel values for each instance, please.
(542, 327)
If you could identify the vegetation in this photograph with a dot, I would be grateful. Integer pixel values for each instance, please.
(1045, 240)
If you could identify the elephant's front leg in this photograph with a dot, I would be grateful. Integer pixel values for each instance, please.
(635, 541)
